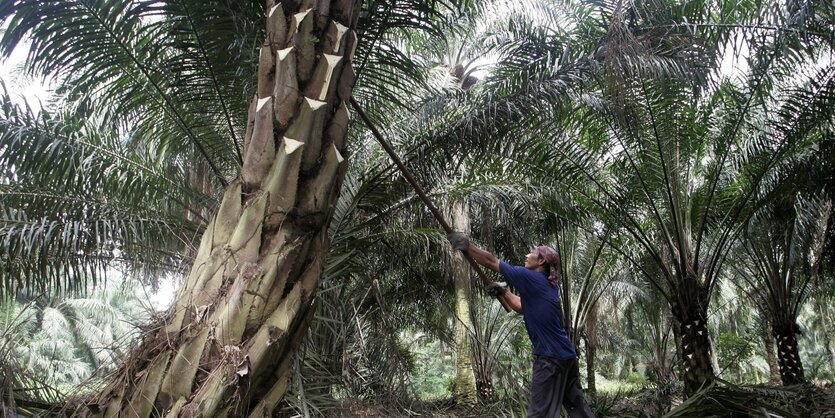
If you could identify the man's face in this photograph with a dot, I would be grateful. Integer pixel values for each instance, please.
(532, 260)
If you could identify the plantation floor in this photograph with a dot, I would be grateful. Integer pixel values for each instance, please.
(801, 402)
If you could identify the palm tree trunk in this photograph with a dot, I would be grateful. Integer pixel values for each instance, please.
(771, 358)
(677, 337)
(827, 339)
(465, 386)
(697, 363)
(226, 348)
(791, 368)
(695, 344)
(665, 367)
(591, 341)
(591, 382)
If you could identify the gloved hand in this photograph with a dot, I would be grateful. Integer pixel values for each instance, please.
(459, 241)
(496, 289)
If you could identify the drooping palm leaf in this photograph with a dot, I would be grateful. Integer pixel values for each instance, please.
(75, 199)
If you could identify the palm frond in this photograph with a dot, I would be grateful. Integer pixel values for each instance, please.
(146, 66)
(76, 198)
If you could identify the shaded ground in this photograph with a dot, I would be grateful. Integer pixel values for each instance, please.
(439, 409)
(722, 401)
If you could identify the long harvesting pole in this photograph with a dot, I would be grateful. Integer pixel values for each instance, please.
(428, 202)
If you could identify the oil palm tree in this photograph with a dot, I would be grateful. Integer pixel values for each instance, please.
(66, 340)
(697, 213)
(590, 274)
(24, 390)
(782, 264)
(176, 76)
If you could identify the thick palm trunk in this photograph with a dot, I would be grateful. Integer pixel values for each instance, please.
(465, 387)
(788, 358)
(226, 348)
(770, 357)
(697, 364)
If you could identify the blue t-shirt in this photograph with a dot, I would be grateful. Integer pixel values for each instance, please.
(542, 311)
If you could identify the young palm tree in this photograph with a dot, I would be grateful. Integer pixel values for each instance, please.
(784, 255)
(589, 273)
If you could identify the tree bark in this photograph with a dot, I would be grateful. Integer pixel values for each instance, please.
(677, 338)
(465, 386)
(788, 358)
(591, 382)
(771, 358)
(697, 363)
(226, 347)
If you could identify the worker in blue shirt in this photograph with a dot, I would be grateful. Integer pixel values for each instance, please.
(555, 378)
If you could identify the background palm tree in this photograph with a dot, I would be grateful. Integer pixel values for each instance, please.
(783, 258)
(688, 175)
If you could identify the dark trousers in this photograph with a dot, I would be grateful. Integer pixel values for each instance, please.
(555, 383)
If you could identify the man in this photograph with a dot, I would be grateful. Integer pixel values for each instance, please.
(555, 378)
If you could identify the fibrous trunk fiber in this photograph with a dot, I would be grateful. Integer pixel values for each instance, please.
(697, 363)
(788, 357)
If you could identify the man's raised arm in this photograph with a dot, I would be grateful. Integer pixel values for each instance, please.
(461, 243)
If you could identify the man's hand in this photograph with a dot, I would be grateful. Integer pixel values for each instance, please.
(459, 241)
(496, 289)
